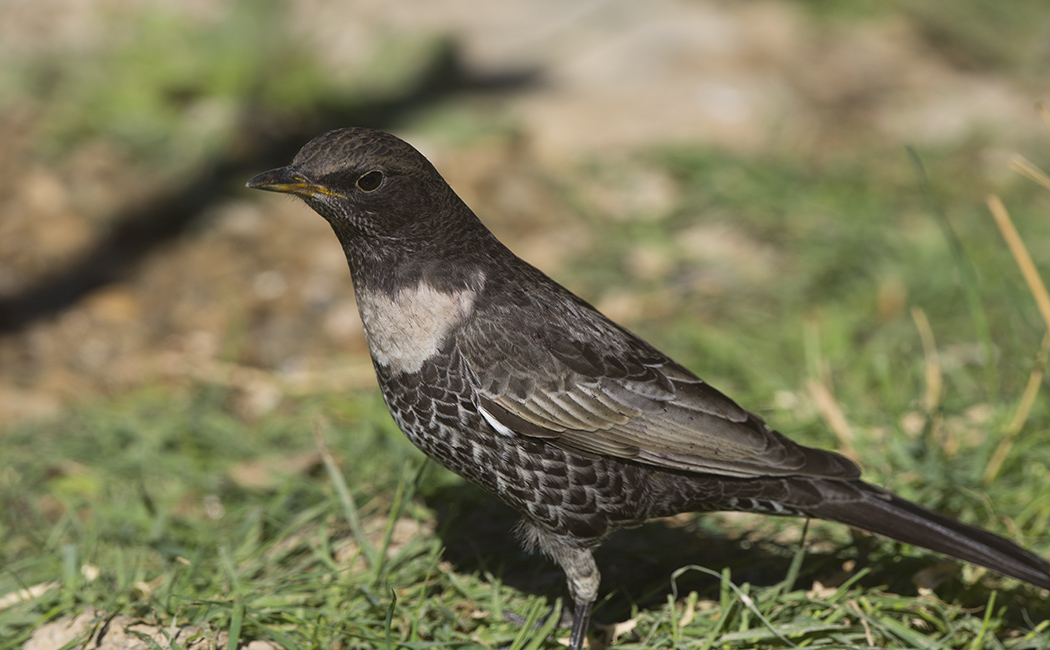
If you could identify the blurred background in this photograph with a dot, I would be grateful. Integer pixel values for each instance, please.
(129, 248)
(787, 196)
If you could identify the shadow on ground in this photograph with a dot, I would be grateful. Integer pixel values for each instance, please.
(265, 142)
(637, 565)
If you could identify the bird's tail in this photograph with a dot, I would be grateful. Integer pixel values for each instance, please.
(882, 512)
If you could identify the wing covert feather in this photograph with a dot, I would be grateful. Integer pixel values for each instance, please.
(608, 392)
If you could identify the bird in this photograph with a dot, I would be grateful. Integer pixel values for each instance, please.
(510, 380)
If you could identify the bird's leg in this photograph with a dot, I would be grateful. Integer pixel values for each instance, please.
(581, 618)
(583, 578)
(581, 573)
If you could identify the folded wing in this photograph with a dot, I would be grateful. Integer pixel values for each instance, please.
(607, 392)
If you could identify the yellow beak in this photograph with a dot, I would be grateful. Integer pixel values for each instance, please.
(289, 181)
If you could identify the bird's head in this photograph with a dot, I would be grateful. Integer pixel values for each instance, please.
(366, 183)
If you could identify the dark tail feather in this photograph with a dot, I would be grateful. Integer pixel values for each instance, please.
(887, 514)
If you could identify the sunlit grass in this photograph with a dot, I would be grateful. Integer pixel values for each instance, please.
(827, 296)
(166, 505)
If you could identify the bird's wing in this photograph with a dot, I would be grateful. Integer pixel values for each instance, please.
(601, 390)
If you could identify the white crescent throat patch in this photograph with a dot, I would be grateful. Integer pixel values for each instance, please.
(407, 328)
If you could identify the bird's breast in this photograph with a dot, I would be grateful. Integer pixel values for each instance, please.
(407, 327)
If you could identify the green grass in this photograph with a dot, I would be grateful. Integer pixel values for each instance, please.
(166, 505)
(146, 487)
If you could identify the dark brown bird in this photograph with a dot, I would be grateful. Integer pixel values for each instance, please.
(508, 379)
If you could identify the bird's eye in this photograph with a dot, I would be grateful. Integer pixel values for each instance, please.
(370, 181)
